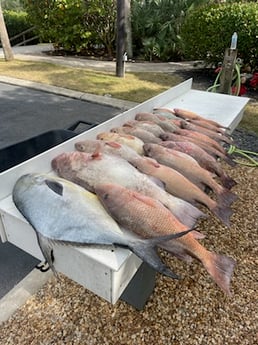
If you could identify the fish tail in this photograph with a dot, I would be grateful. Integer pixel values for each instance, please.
(220, 267)
(227, 181)
(226, 197)
(223, 213)
(146, 250)
(47, 251)
(229, 160)
(186, 213)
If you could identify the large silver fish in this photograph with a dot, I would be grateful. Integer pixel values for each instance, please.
(63, 212)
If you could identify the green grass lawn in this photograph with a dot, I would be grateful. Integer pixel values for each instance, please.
(135, 87)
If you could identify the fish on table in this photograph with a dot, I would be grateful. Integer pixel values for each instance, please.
(143, 134)
(149, 126)
(190, 169)
(178, 185)
(125, 139)
(204, 145)
(148, 218)
(210, 133)
(205, 160)
(189, 115)
(162, 121)
(89, 170)
(109, 147)
(64, 213)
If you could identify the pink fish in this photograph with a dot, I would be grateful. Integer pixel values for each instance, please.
(135, 143)
(205, 146)
(210, 133)
(89, 170)
(190, 169)
(178, 185)
(162, 121)
(189, 115)
(149, 126)
(205, 160)
(148, 218)
(145, 136)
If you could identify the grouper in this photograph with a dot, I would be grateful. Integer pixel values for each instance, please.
(65, 213)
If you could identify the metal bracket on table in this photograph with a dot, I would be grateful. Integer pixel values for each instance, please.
(75, 125)
(140, 287)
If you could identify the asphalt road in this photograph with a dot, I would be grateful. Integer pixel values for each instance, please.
(25, 113)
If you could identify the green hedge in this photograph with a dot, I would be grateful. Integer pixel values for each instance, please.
(76, 26)
(207, 32)
(17, 22)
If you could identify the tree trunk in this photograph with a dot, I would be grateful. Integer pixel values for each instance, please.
(128, 29)
(120, 39)
(8, 53)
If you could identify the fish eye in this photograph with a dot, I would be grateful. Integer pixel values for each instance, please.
(106, 195)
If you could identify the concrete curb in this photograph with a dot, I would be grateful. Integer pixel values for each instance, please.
(87, 97)
(27, 287)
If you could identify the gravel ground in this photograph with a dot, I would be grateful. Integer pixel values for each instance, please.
(190, 311)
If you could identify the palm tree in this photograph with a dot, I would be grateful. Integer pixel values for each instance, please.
(8, 53)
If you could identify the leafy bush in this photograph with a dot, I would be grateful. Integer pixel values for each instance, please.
(156, 25)
(16, 23)
(74, 25)
(59, 21)
(207, 31)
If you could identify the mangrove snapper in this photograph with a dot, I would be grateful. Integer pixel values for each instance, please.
(162, 121)
(179, 186)
(205, 146)
(205, 160)
(145, 136)
(129, 140)
(190, 169)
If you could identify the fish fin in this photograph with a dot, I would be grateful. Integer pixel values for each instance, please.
(198, 235)
(152, 162)
(223, 213)
(128, 136)
(220, 267)
(55, 186)
(47, 251)
(113, 144)
(176, 250)
(226, 197)
(146, 200)
(229, 161)
(145, 250)
(96, 155)
(187, 214)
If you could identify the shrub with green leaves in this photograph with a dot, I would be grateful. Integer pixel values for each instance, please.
(60, 22)
(156, 25)
(207, 32)
(74, 25)
(17, 22)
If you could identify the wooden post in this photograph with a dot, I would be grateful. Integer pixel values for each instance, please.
(227, 70)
